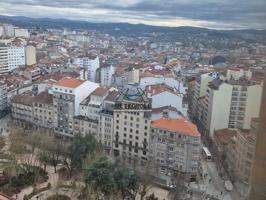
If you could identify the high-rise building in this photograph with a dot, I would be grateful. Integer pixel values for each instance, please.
(199, 92)
(258, 178)
(106, 74)
(89, 65)
(11, 57)
(3, 96)
(68, 93)
(30, 53)
(230, 104)
(8, 30)
(132, 126)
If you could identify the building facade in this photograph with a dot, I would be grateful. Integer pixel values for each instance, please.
(106, 75)
(30, 53)
(68, 93)
(175, 148)
(132, 127)
(3, 97)
(11, 57)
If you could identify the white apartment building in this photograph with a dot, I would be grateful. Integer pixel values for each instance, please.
(11, 57)
(175, 148)
(163, 95)
(8, 30)
(170, 81)
(237, 73)
(93, 104)
(1, 30)
(89, 65)
(21, 32)
(68, 93)
(231, 104)
(106, 74)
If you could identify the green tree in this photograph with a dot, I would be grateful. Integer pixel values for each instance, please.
(81, 149)
(127, 182)
(100, 176)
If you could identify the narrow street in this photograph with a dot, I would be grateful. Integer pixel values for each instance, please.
(213, 181)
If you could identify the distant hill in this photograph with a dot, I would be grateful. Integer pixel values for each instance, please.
(126, 29)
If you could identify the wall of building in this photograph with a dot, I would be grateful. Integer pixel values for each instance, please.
(219, 108)
(253, 102)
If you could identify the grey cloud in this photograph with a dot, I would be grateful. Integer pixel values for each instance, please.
(238, 13)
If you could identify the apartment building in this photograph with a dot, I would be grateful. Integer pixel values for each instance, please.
(21, 32)
(85, 125)
(21, 107)
(175, 148)
(245, 152)
(3, 97)
(128, 76)
(132, 126)
(8, 30)
(230, 104)
(42, 110)
(237, 72)
(199, 92)
(68, 93)
(11, 57)
(33, 73)
(236, 152)
(106, 122)
(30, 53)
(163, 95)
(89, 65)
(106, 74)
(93, 104)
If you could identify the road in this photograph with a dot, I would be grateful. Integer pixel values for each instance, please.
(213, 181)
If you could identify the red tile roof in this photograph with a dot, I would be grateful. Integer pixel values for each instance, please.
(224, 136)
(100, 91)
(69, 82)
(177, 125)
(159, 88)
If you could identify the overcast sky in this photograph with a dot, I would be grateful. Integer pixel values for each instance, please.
(218, 14)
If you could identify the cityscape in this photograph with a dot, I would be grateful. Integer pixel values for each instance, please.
(111, 106)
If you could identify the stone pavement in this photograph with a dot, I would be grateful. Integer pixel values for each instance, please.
(53, 179)
(62, 191)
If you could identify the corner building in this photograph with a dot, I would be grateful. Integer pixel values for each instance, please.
(132, 128)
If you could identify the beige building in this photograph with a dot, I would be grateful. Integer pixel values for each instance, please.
(86, 126)
(132, 127)
(237, 73)
(245, 150)
(30, 55)
(230, 104)
(198, 92)
(42, 107)
(21, 107)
